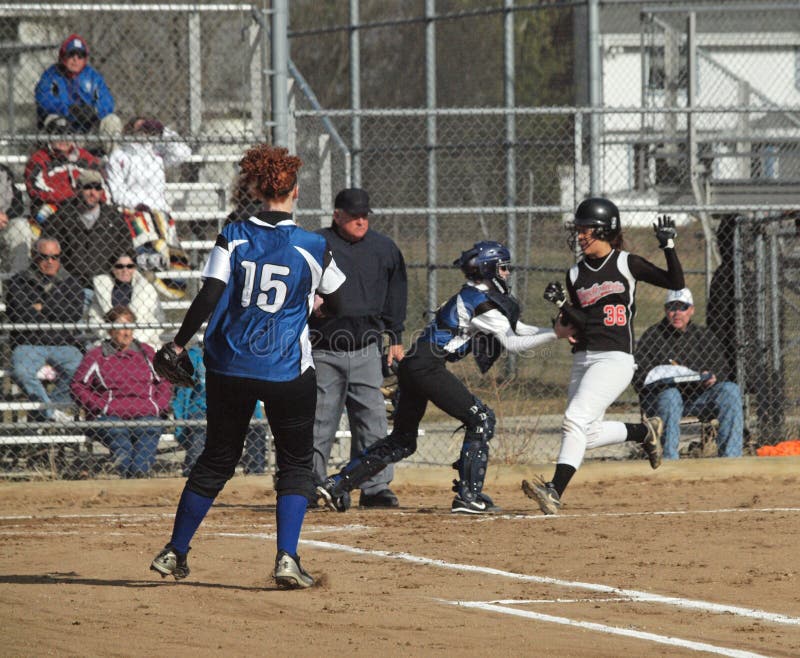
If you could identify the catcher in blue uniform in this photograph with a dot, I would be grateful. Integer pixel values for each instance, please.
(482, 318)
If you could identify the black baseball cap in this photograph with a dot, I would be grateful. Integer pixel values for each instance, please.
(354, 201)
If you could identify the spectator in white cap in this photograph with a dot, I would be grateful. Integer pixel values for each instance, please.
(681, 372)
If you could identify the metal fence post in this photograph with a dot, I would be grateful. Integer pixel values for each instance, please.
(195, 74)
(595, 95)
(280, 67)
(430, 102)
(355, 90)
(511, 142)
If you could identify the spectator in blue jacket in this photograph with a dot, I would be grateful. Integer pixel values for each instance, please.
(75, 90)
(190, 404)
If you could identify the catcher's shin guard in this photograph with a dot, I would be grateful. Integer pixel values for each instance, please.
(471, 467)
(472, 463)
(373, 460)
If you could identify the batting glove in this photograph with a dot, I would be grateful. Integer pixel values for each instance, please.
(554, 293)
(665, 232)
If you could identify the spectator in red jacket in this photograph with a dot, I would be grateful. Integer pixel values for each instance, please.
(116, 382)
(52, 172)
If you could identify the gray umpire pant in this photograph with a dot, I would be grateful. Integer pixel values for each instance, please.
(350, 380)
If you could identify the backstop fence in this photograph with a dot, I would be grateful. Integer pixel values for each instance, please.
(465, 121)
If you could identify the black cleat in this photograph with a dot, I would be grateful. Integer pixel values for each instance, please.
(384, 499)
(481, 505)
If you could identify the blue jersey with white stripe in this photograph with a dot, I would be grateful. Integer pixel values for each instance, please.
(450, 330)
(259, 328)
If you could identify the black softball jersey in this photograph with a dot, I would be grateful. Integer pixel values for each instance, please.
(604, 289)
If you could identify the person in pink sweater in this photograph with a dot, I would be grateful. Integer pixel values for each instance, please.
(116, 381)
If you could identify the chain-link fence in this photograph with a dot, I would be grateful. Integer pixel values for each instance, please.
(467, 158)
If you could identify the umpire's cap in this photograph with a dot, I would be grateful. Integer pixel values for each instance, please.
(354, 201)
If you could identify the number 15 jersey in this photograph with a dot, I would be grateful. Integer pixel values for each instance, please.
(604, 289)
(272, 268)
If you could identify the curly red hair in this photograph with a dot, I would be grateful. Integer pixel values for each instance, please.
(269, 171)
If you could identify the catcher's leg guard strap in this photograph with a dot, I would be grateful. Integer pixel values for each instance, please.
(480, 423)
(373, 460)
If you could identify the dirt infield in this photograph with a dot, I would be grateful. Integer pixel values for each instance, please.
(699, 556)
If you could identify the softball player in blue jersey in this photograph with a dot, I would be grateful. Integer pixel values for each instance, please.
(483, 319)
(601, 304)
(259, 287)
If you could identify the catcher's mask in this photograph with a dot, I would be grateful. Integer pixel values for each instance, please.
(599, 214)
(484, 261)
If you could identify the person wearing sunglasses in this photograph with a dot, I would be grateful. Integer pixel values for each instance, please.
(482, 318)
(45, 293)
(124, 285)
(75, 90)
(88, 229)
(682, 372)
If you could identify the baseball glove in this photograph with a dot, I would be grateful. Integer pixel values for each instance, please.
(174, 367)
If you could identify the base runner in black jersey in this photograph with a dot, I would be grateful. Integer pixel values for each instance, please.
(600, 303)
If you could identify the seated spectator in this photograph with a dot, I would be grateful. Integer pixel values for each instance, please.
(88, 230)
(73, 89)
(44, 293)
(137, 169)
(116, 382)
(681, 372)
(52, 172)
(126, 286)
(190, 404)
(15, 231)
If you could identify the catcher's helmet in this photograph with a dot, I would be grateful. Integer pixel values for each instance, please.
(482, 263)
(601, 214)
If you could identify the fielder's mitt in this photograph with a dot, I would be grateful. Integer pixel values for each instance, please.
(174, 367)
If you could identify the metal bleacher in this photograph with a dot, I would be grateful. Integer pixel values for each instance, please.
(203, 204)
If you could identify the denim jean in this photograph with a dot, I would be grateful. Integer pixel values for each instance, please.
(133, 449)
(723, 401)
(27, 360)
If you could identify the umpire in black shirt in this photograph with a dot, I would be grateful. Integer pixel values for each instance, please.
(347, 347)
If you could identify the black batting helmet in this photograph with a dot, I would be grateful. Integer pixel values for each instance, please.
(602, 215)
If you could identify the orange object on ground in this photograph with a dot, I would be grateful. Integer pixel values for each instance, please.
(782, 449)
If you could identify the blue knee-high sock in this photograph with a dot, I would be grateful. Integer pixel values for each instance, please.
(192, 509)
(290, 512)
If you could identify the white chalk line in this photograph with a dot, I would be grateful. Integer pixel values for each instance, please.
(455, 517)
(635, 595)
(611, 630)
(556, 517)
(313, 530)
(595, 587)
(619, 594)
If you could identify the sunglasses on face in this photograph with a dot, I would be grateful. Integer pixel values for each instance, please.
(677, 306)
(124, 266)
(77, 53)
(41, 256)
(92, 186)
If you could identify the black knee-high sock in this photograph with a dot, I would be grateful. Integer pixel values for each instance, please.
(563, 475)
(636, 432)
